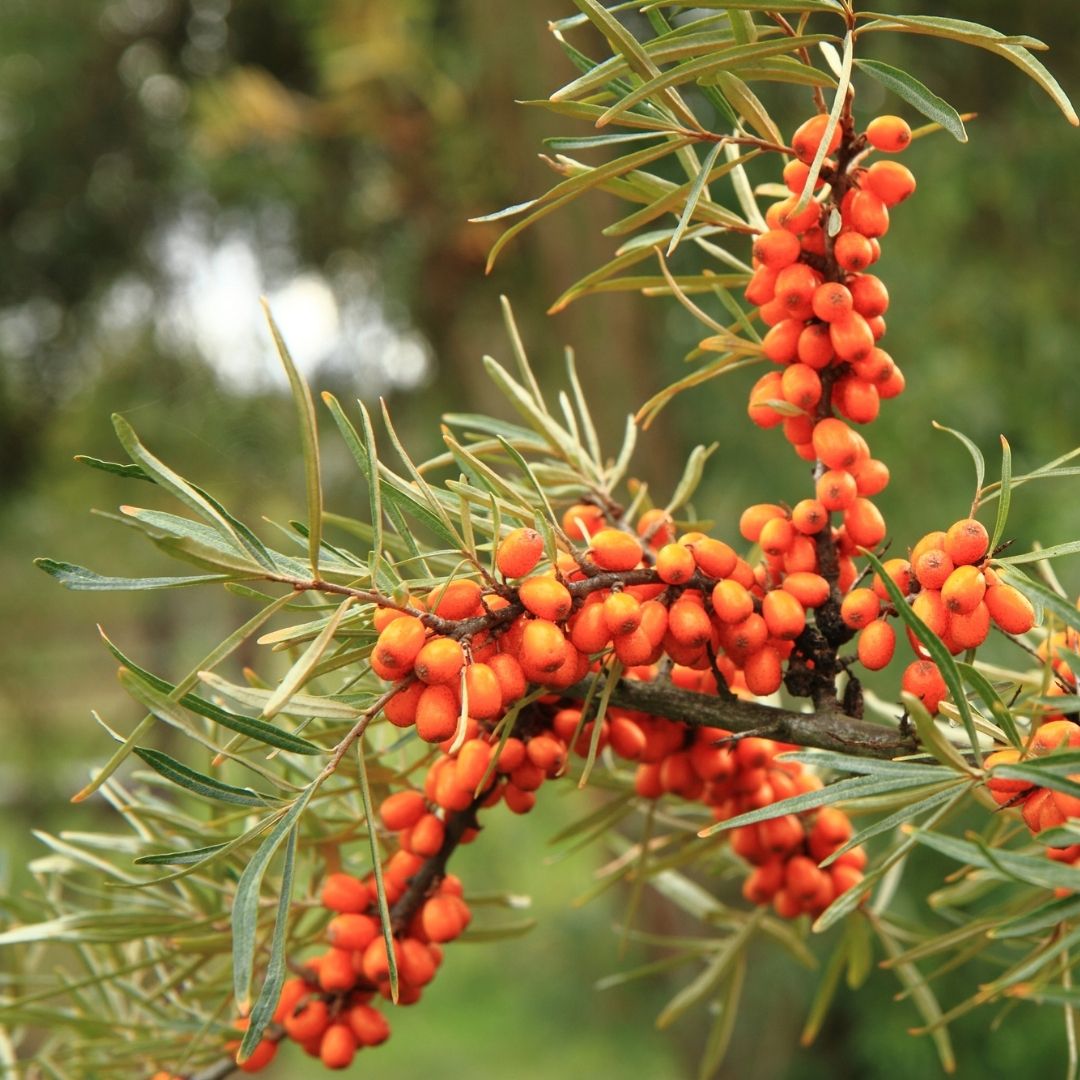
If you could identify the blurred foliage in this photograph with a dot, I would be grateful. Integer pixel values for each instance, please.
(333, 135)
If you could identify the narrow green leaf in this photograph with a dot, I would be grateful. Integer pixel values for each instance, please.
(267, 1001)
(1044, 917)
(849, 763)
(749, 106)
(694, 195)
(1011, 48)
(245, 910)
(972, 449)
(938, 653)
(199, 783)
(309, 440)
(587, 142)
(156, 693)
(825, 992)
(839, 99)
(570, 189)
(691, 477)
(1033, 870)
(80, 579)
(998, 709)
(909, 89)
(1041, 554)
(302, 704)
(298, 674)
(723, 1026)
(377, 871)
(186, 492)
(128, 472)
(179, 858)
(922, 997)
(1005, 496)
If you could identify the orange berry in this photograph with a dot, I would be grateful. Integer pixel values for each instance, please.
(864, 524)
(398, 646)
(851, 337)
(869, 296)
(546, 752)
(519, 552)
(351, 932)
(512, 682)
(613, 549)
(437, 714)
(923, 680)
(966, 541)
(856, 399)
(688, 623)
(776, 248)
(308, 1022)
(336, 971)
(814, 346)
(338, 1046)
(964, 589)
(932, 568)
(776, 536)
(543, 648)
(852, 251)
(402, 810)
(763, 672)
(783, 614)
(890, 181)
(834, 444)
(801, 385)
(293, 991)
(860, 608)
(714, 558)
(866, 212)
(455, 600)
(899, 572)
(753, 519)
(1055, 735)
(1010, 609)
(345, 893)
(808, 136)
(264, 1052)
(400, 710)
(589, 630)
(439, 661)
(871, 476)
(368, 1025)
(809, 516)
(781, 343)
(762, 285)
(876, 644)
(836, 489)
(890, 134)
(622, 613)
(930, 540)
(656, 528)
(731, 602)
(928, 606)
(745, 637)
(675, 564)
(795, 285)
(969, 629)
(546, 598)
(811, 590)
(831, 301)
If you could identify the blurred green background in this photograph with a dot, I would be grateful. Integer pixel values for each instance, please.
(163, 163)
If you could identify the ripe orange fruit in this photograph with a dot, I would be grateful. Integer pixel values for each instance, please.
(876, 645)
(890, 181)
(402, 810)
(519, 552)
(776, 248)
(439, 661)
(860, 608)
(397, 647)
(437, 714)
(1010, 609)
(613, 549)
(852, 251)
(923, 680)
(888, 133)
(345, 893)
(966, 541)
(783, 614)
(964, 589)
(546, 597)
(808, 136)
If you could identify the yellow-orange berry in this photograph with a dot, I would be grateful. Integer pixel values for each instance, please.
(834, 444)
(776, 248)
(543, 647)
(964, 589)
(398, 646)
(455, 600)
(345, 893)
(923, 680)
(688, 623)
(851, 337)
(1055, 735)
(808, 137)
(437, 714)
(836, 489)
(831, 301)
(890, 181)
(809, 516)
(714, 558)
(899, 572)
(753, 519)
(519, 552)
(890, 134)
(876, 644)
(731, 602)
(783, 614)
(656, 528)
(622, 613)
(402, 809)
(966, 541)
(864, 524)
(368, 1025)
(763, 672)
(439, 661)
(582, 520)
(613, 549)
(546, 598)
(675, 564)
(860, 608)
(483, 691)
(933, 567)
(1010, 609)
(852, 251)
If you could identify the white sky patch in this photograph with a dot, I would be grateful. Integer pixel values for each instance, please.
(213, 308)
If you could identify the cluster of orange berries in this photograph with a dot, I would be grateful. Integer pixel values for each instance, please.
(957, 594)
(824, 313)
